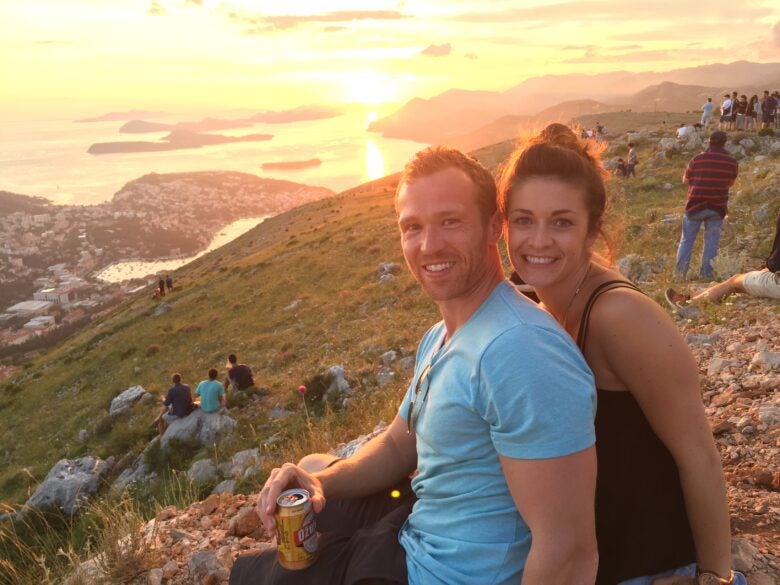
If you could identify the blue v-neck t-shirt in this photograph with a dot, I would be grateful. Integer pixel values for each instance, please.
(509, 382)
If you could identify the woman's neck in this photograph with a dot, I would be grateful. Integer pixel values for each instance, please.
(560, 299)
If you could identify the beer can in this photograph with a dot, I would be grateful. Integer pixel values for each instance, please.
(296, 530)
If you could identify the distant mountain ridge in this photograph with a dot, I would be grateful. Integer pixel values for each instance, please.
(469, 119)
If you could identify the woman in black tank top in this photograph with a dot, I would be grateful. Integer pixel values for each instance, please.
(661, 504)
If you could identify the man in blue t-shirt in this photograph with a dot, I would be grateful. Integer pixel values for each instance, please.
(211, 392)
(498, 423)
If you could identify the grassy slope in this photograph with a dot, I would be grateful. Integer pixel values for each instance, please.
(324, 254)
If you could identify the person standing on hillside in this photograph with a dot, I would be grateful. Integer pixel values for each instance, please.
(169, 283)
(740, 110)
(503, 495)
(632, 160)
(211, 392)
(161, 286)
(709, 176)
(725, 112)
(768, 107)
(177, 404)
(752, 113)
(706, 112)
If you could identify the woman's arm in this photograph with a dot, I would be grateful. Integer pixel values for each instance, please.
(643, 348)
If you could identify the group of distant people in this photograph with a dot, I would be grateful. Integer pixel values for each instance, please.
(162, 284)
(179, 402)
(490, 470)
(737, 112)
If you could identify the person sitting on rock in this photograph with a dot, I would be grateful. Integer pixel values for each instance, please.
(621, 170)
(240, 377)
(177, 404)
(763, 283)
(211, 392)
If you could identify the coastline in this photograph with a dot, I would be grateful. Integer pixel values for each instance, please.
(140, 268)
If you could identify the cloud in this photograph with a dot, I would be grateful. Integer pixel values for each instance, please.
(156, 8)
(578, 47)
(471, 56)
(437, 50)
(776, 34)
(288, 21)
(618, 11)
(334, 28)
(625, 48)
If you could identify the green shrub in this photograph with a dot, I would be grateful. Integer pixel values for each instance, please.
(766, 132)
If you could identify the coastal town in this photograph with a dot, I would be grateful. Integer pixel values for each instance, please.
(50, 255)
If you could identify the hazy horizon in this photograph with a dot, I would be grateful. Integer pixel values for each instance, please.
(79, 58)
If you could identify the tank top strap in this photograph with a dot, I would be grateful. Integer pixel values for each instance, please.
(597, 292)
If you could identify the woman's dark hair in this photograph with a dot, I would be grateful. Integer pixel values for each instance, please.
(557, 153)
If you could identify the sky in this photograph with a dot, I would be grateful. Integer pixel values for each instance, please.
(88, 57)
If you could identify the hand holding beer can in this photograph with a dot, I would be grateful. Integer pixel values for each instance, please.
(296, 529)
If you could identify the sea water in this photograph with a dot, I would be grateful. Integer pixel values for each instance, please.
(49, 158)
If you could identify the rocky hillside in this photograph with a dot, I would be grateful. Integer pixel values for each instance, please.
(319, 296)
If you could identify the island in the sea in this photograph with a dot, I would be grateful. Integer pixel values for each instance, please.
(178, 139)
(291, 165)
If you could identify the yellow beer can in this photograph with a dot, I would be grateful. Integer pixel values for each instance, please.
(296, 530)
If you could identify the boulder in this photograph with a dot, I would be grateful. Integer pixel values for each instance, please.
(407, 364)
(774, 148)
(243, 460)
(125, 400)
(747, 144)
(384, 376)
(388, 358)
(205, 569)
(336, 382)
(717, 365)
(388, 268)
(761, 215)
(348, 449)
(769, 415)
(227, 486)
(203, 472)
(386, 278)
(293, 305)
(742, 554)
(244, 523)
(138, 472)
(634, 267)
(701, 339)
(668, 144)
(765, 360)
(279, 412)
(199, 427)
(70, 483)
(162, 309)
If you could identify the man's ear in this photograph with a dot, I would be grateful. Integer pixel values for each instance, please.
(496, 227)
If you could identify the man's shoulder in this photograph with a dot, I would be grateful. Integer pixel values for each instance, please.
(510, 317)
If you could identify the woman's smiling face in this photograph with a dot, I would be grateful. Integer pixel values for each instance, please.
(547, 231)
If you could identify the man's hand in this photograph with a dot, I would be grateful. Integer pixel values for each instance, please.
(283, 478)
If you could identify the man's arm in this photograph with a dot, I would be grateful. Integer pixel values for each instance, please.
(556, 498)
(381, 463)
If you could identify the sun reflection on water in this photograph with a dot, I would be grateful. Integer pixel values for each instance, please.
(375, 162)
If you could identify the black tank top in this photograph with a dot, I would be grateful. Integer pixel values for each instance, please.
(641, 523)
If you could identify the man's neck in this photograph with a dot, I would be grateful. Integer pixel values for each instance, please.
(457, 312)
